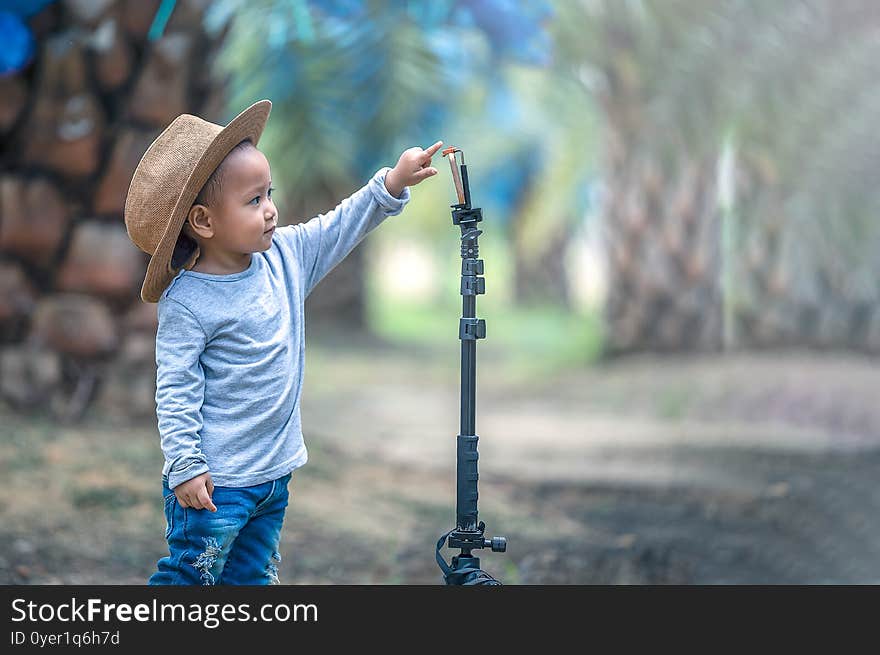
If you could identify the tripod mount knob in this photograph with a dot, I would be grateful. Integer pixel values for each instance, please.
(497, 544)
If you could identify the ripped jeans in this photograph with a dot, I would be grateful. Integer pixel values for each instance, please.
(236, 545)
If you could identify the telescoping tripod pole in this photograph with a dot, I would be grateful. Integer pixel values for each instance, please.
(467, 534)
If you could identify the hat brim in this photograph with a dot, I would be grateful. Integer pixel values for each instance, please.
(249, 124)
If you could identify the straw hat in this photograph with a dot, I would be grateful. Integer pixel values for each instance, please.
(169, 176)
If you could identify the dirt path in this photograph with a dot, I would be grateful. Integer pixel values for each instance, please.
(743, 469)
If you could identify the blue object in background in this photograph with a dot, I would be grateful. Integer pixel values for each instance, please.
(17, 47)
(23, 8)
(163, 13)
(503, 186)
(514, 29)
(16, 40)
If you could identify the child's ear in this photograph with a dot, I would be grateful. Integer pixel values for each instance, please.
(198, 222)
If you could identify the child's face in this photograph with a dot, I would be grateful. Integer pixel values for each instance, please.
(243, 217)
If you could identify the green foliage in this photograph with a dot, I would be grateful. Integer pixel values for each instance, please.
(339, 97)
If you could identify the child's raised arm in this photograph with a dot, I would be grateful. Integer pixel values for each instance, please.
(327, 239)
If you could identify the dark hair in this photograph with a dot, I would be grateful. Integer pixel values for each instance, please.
(206, 196)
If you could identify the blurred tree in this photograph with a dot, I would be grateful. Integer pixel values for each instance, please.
(556, 131)
(659, 189)
(787, 87)
(805, 236)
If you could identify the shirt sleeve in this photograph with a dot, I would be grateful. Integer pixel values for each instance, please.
(326, 239)
(180, 390)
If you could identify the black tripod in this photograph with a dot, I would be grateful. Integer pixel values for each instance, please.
(467, 534)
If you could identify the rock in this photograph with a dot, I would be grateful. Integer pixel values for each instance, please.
(28, 375)
(13, 97)
(64, 130)
(74, 324)
(137, 16)
(113, 55)
(160, 94)
(17, 301)
(33, 218)
(102, 261)
(142, 317)
(88, 12)
(138, 350)
(128, 393)
(113, 188)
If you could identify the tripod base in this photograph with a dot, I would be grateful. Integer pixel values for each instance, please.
(465, 568)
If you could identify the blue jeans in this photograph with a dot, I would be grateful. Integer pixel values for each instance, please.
(236, 545)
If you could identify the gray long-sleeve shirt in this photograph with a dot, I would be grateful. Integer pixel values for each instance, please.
(230, 349)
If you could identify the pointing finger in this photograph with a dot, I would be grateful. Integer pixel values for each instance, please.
(434, 148)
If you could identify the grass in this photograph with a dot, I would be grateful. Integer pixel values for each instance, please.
(529, 340)
(674, 402)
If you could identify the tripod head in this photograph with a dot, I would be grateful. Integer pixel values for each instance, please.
(468, 533)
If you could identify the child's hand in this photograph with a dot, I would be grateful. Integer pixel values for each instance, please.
(413, 166)
(196, 493)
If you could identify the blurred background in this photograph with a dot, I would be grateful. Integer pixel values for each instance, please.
(681, 249)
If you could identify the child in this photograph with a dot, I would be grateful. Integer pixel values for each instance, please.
(230, 285)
